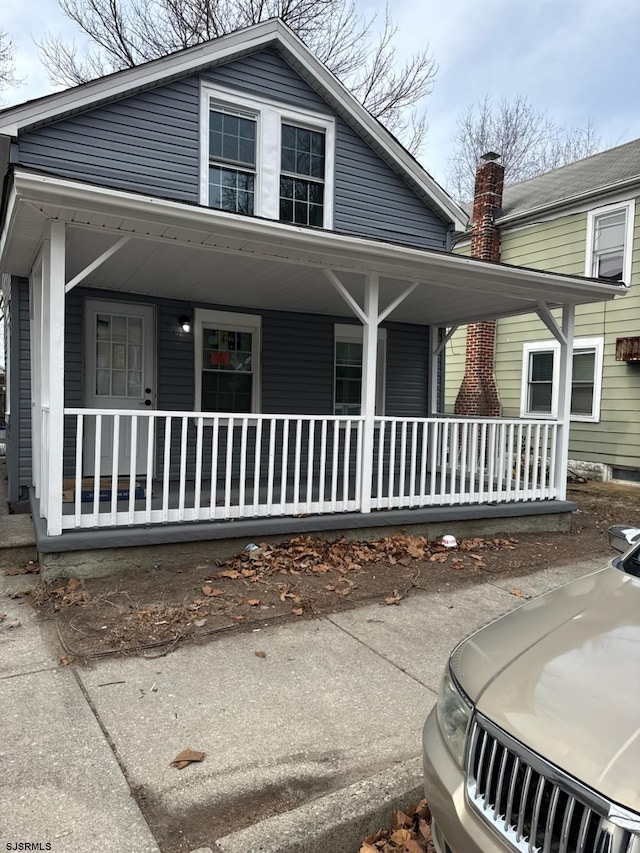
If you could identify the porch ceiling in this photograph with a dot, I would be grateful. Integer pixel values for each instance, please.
(186, 252)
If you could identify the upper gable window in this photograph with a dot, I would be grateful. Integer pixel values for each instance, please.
(263, 158)
(302, 178)
(609, 242)
(232, 160)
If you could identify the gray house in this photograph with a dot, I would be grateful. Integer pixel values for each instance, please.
(227, 290)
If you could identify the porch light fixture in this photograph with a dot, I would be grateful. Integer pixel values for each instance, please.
(185, 324)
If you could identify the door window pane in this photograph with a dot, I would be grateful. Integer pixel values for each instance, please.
(118, 356)
(227, 370)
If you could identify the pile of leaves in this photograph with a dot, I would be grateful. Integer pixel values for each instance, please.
(410, 832)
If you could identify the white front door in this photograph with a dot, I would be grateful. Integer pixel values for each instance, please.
(120, 349)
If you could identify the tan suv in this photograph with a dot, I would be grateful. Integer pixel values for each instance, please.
(534, 743)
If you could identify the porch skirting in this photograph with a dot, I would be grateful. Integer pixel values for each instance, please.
(89, 553)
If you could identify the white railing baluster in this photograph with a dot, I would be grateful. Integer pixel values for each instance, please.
(296, 467)
(78, 471)
(257, 461)
(228, 482)
(444, 450)
(166, 465)
(527, 462)
(453, 463)
(284, 470)
(519, 450)
(358, 493)
(500, 478)
(482, 462)
(243, 465)
(544, 468)
(509, 483)
(402, 485)
(96, 470)
(272, 464)
(536, 461)
(346, 464)
(473, 468)
(311, 444)
(215, 449)
(552, 461)
(413, 463)
(183, 468)
(334, 464)
(133, 454)
(424, 450)
(322, 474)
(433, 457)
(464, 439)
(391, 485)
(151, 453)
(381, 432)
(197, 484)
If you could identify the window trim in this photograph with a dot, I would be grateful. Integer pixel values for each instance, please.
(597, 344)
(270, 116)
(592, 215)
(353, 334)
(229, 321)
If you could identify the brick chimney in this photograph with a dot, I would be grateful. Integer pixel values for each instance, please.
(478, 395)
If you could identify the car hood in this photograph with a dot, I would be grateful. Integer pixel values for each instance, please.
(562, 675)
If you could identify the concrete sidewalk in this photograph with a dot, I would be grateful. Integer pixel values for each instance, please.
(334, 702)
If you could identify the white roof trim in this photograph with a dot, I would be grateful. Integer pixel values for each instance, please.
(221, 50)
(36, 188)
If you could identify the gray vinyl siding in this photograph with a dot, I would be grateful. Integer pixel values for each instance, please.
(149, 142)
(19, 459)
(297, 366)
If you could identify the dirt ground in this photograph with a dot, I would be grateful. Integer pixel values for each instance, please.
(150, 613)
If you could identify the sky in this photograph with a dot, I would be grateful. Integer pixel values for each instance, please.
(576, 59)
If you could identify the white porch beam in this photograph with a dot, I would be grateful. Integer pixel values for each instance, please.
(53, 355)
(564, 399)
(543, 311)
(348, 298)
(397, 301)
(368, 394)
(95, 264)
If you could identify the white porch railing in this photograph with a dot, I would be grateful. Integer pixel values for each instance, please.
(445, 461)
(141, 468)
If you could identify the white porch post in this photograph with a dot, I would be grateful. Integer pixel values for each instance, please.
(564, 399)
(52, 367)
(369, 373)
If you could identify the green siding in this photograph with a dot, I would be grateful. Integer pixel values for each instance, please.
(559, 245)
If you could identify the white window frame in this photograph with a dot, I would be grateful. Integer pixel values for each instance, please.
(597, 344)
(629, 208)
(228, 321)
(270, 116)
(352, 334)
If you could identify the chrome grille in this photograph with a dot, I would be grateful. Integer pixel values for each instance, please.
(532, 804)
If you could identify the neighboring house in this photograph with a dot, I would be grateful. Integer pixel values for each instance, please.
(226, 286)
(577, 220)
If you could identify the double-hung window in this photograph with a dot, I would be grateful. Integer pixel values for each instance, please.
(540, 379)
(232, 160)
(264, 158)
(302, 176)
(348, 370)
(609, 242)
(227, 350)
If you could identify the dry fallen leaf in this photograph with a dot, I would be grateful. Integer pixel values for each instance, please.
(229, 573)
(199, 623)
(253, 602)
(368, 848)
(517, 592)
(207, 590)
(187, 756)
(64, 661)
(297, 611)
(261, 654)
(2, 615)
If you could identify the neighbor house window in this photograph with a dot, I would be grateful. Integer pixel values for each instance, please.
(609, 242)
(232, 160)
(263, 158)
(302, 176)
(227, 347)
(348, 370)
(540, 379)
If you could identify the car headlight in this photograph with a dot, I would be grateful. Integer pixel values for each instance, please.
(454, 712)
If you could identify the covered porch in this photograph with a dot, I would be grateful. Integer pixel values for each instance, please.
(120, 460)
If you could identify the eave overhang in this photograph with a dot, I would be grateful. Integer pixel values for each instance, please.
(261, 262)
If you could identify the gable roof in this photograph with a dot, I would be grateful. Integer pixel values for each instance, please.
(600, 174)
(271, 33)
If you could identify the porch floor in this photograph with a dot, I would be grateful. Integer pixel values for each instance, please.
(490, 517)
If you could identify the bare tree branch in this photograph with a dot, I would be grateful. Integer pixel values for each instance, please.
(125, 33)
(528, 140)
(7, 52)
